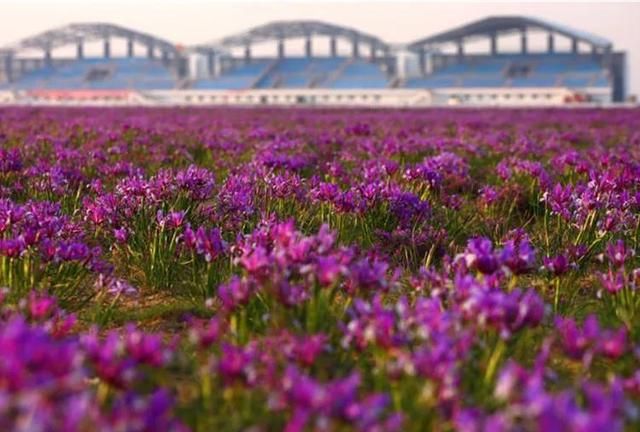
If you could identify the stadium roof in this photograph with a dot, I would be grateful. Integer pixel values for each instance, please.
(293, 29)
(77, 32)
(507, 24)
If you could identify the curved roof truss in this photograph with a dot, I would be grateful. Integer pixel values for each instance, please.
(293, 29)
(80, 32)
(504, 25)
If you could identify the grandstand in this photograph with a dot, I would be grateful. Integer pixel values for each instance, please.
(443, 68)
(331, 71)
(597, 73)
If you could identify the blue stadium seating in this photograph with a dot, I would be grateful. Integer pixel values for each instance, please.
(535, 80)
(239, 77)
(517, 70)
(359, 74)
(502, 70)
(109, 74)
(300, 72)
(435, 81)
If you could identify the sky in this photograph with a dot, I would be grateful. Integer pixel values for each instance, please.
(196, 21)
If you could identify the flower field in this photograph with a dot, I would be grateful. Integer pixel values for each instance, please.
(319, 270)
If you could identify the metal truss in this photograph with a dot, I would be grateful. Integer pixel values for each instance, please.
(279, 30)
(496, 25)
(83, 32)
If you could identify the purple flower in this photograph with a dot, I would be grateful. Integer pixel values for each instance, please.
(41, 306)
(12, 248)
(255, 260)
(576, 342)
(559, 200)
(328, 270)
(209, 243)
(121, 235)
(235, 293)
(617, 253)
(369, 275)
(480, 255)
(489, 195)
(172, 220)
(10, 160)
(206, 333)
(234, 364)
(197, 182)
(408, 208)
(613, 282)
(146, 348)
(557, 265)
(73, 251)
(518, 256)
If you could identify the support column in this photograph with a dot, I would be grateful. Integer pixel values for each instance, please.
(8, 67)
(460, 48)
(333, 45)
(372, 51)
(308, 47)
(392, 64)
(551, 43)
(182, 65)
(80, 50)
(47, 57)
(211, 64)
(523, 42)
(355, 50)
(107, 48)
(422, 59)
(574, 46)
(165, 57)
(494, 44)
(150, 53)
(247, 54)
(130, 51)
(281, 48)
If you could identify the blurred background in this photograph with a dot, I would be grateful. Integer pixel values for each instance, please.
(319, 53)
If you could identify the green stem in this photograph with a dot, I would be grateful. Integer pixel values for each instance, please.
(496, 355)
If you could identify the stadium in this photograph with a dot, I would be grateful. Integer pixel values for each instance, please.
(498, 61)
(310, 227)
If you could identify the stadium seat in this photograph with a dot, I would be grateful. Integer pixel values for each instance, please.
(99, 74)
(516, 70)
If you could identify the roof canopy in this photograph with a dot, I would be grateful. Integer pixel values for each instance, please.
(293, 29)
(504, 25)
(79, 32)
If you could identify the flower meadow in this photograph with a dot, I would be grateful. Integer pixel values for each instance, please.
(319, 270)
